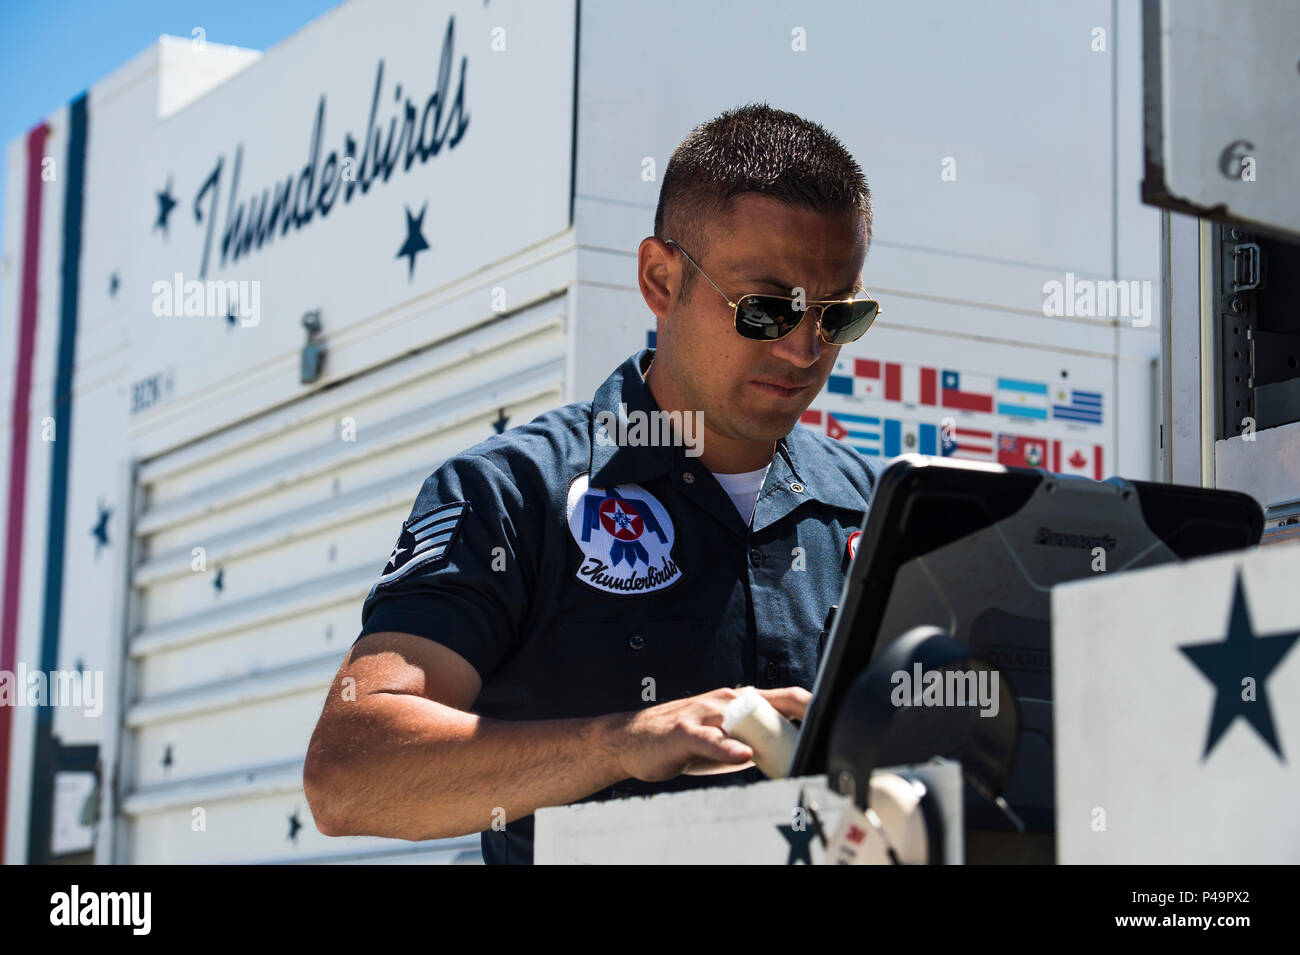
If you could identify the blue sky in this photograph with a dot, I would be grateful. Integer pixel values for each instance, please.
(51, 50)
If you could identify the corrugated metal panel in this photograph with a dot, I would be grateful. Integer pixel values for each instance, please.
(253, 551)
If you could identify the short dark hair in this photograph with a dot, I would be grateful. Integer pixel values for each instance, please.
(754, 148)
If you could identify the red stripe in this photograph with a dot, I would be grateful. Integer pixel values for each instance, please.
(980, 435)
(927, 386)
(18, 447)
(893, 382)
(811, 417)
(1096, 462)
(967, 402)
(864, 368)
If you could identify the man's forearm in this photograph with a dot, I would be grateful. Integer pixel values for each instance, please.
(404, 766)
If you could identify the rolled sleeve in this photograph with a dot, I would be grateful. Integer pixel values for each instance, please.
(455, 575)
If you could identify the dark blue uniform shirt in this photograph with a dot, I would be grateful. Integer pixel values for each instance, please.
(580, 577)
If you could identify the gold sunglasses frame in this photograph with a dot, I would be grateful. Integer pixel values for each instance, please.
(808, 306)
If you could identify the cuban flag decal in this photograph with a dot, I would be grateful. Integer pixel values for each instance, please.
(625, 536)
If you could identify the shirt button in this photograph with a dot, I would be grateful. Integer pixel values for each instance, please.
(773, 670)
(636, 641)
(796, 487)
(756, 557)
(688, 477)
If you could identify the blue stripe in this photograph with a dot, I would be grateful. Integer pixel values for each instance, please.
(1092, 396)
(857, 418)
(863, 435)
(44, 744)
(1023, 412)
(1076, 414)
(929, 439)
(870, 452)
(893, 438)
(839, 385)
(1013, 384)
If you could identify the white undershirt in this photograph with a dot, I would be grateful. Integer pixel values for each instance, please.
(743, 489)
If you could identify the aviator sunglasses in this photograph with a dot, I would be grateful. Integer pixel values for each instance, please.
(769, 318)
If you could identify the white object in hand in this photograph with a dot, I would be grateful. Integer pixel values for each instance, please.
(756, 723)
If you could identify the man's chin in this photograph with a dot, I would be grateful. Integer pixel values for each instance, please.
(769, 425)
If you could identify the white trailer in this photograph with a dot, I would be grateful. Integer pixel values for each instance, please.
(413, 224)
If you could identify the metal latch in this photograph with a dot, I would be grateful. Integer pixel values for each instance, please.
(1245, 266)
(313, 350)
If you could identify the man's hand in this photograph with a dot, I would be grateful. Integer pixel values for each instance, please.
(661, 742)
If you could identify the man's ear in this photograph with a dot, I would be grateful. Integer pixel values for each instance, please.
(658, 274)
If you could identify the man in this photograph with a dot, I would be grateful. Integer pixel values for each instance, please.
(565, 617)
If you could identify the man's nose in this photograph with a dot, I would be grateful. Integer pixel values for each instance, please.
(803, 346)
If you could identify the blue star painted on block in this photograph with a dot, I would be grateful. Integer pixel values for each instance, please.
(165, 206)
(100, 530)
(1228, 663)
(800, 838)
(415, 242)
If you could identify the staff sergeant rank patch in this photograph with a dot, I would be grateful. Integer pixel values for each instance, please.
(423, 541)
(626, 538)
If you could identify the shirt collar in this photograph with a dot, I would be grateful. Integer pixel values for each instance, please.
(611, 463)
(808, 461)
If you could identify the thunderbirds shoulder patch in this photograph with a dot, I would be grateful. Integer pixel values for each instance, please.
(423, 541)
(626, 538)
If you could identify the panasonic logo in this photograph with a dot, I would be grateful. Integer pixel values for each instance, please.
(1051, 538)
